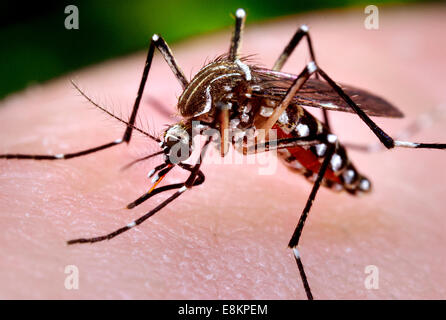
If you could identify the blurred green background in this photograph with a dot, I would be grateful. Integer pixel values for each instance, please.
(37, 47)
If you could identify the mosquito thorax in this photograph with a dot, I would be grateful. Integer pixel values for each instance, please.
(219, 83)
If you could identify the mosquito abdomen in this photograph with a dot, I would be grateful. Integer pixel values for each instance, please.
(341, 174)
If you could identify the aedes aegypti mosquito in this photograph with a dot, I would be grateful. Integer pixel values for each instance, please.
(229, 94)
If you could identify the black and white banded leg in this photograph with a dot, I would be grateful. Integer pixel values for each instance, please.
(233, 54)
(191, 181)
(302, 31)
(156, 42)
(267, 123)
(234, 49)
(422, 122)
(199, 180)
(285, 143)
(294, 241)
(385, 139)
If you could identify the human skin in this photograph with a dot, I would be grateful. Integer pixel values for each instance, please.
(226, 239)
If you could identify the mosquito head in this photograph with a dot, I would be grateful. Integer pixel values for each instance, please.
(177, 143)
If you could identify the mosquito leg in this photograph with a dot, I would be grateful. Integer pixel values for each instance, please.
(326, 121)
(303, 31)
(386, 140)
(267, 123)
(240, 16)
(189, 183)
(60, 156)
(156, 42)
(422, 122)
(131, 224)
(294, 241)
(271, 145)
(289, 143)
(294, 42)
(199, 180)
(159, 43)
(148, 195)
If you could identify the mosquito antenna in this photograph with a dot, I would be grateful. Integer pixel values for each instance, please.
(111, 114)
(141, 159)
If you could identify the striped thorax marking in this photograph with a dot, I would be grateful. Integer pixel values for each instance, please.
(207, 84)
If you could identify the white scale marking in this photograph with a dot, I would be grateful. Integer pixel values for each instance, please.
(244, 117)
(245, 69)
(155, 178)
(321, 149)
(208, 104)
(406, 144)
(332, 138)
(283, 119)
(150, 174)
(296, 253)
(304, 28)
(311, 67)
(226, 76)
(302, 130)
(240, 13)
(364, 185)
(336, 162)
(266, 111)
(330, 105)
(234, 123)
(348, 176)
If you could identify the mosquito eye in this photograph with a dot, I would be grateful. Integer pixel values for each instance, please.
(177, 141)
(176, 134)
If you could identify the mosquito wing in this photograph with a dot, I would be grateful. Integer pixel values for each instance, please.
(318, 94)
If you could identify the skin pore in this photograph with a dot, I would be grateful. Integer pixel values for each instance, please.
(226, 239)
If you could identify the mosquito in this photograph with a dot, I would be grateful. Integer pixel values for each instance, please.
(230, 94)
